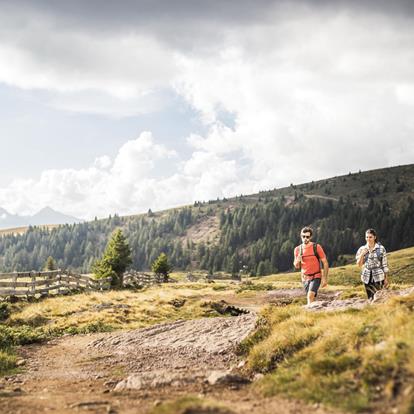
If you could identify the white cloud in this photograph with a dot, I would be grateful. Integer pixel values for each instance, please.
(314, 92)
(125, 186)
(310, 97)
(128, 185)
(103, 162)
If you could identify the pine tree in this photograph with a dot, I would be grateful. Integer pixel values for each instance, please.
(50, 263)
(161, 266)
(115, 260)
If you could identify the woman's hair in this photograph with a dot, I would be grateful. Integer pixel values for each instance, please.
(373, 232)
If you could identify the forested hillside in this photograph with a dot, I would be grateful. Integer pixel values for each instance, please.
(256, 233)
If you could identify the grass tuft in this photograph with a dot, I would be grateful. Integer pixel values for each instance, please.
(191, 405)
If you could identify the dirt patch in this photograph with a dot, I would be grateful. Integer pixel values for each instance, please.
(286, 296)
(176, 353)
(207, 229)
(123, 372)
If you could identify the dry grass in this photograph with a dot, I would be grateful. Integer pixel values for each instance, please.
(122, 309)
(190, 404)
(357, 360)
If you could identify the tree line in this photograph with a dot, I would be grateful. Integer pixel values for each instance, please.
(257, 238)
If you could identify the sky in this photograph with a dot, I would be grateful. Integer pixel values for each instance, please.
(118, 107)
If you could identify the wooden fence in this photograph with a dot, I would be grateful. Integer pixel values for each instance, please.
(45, 283)
(223, 277)
(62, 281)
(140, 279)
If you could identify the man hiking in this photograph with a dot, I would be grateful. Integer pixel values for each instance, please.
(308, 257)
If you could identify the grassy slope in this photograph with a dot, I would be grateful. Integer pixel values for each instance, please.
(358, 360)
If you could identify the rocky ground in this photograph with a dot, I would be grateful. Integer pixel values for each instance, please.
(130, 372)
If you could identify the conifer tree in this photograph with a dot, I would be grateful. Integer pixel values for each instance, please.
(161, 266)
(50, 264)
(115, 260)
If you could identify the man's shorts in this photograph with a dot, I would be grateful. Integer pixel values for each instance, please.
(312, 285)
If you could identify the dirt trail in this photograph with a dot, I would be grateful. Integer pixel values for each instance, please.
(129, 372)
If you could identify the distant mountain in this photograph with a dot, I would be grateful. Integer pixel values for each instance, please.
(45, 216)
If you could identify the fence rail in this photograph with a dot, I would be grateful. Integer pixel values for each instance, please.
(44, 283)
(63, 281)
(140, 279)
(223, 277)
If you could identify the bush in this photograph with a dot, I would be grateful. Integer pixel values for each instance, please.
(4, 311)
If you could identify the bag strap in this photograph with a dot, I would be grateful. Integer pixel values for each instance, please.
(315, 251)
(378, 252)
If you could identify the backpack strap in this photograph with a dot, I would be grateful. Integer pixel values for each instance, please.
(378, 252)
(315, 251)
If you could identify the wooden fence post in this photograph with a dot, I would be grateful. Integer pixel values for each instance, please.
(47, 285)
(33, 287)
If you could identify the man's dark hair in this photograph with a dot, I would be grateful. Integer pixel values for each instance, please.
(307, 229)
(373, 232)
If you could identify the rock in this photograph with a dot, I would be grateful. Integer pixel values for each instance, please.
(224, 377)
(20, 362)
(177, 303)
(241, 364)
(110, 383)
(381, 346)
(258, 376)
(131, 382)
(153, 379)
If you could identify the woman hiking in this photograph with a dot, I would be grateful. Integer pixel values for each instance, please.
(372, 257)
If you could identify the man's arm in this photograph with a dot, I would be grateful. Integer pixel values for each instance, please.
(297, 259)
(325, 271)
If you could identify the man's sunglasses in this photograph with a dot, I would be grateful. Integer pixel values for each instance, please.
(305, 237)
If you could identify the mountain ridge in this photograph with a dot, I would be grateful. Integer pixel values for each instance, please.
(45, 216)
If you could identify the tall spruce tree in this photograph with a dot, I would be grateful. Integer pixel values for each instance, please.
(115, 260)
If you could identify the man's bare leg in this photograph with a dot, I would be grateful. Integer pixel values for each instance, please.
(311, 297)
